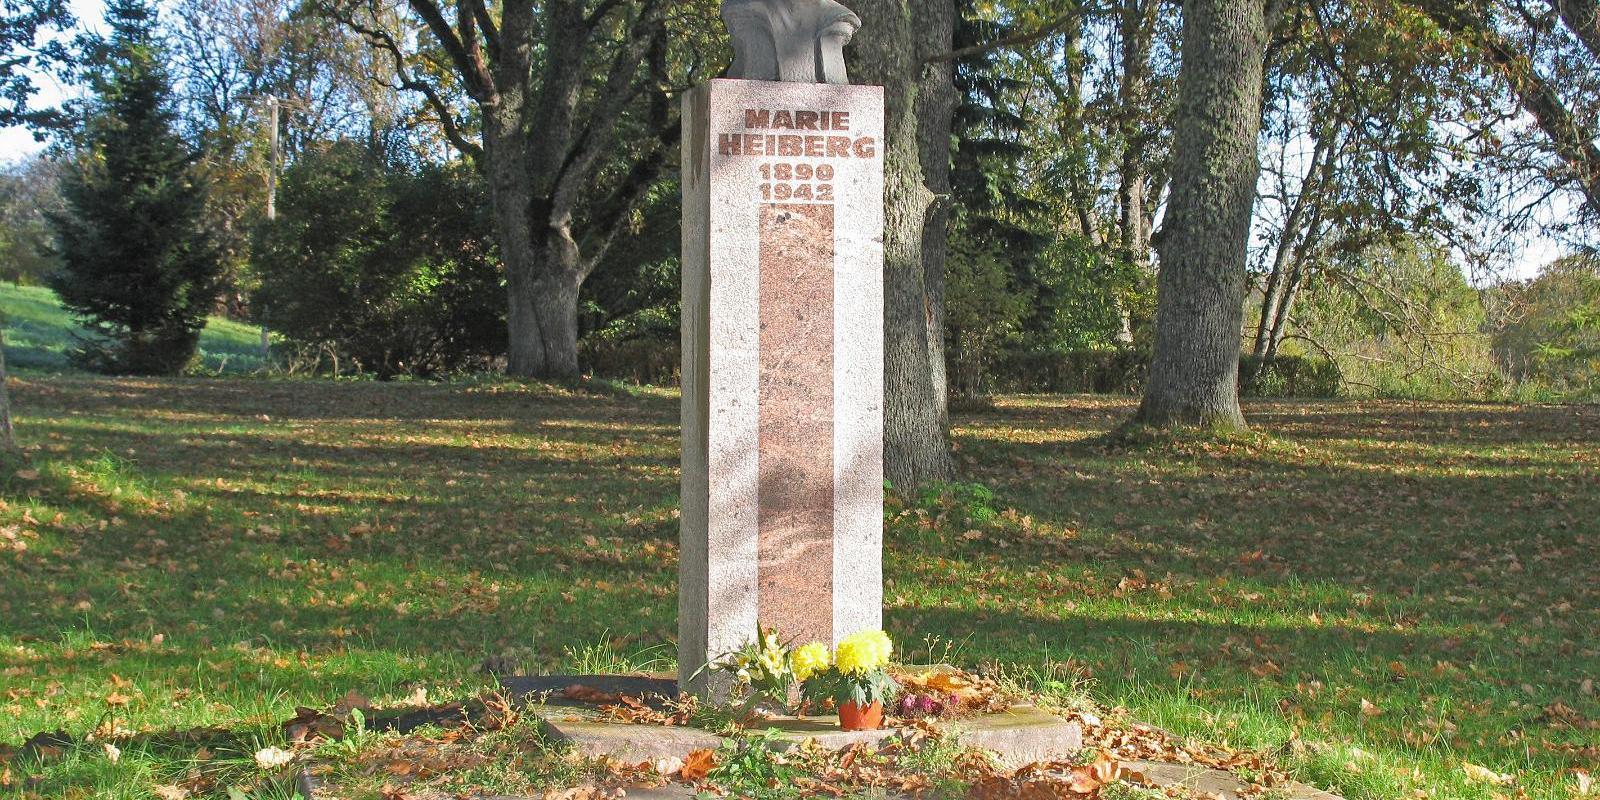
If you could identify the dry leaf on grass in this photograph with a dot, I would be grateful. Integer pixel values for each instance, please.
(1054, 781)
(1485, 775)
(310, 725)
(1088, 778)
(1582, 782)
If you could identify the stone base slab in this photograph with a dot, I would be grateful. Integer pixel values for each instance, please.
(1018, 736)
(664, 748)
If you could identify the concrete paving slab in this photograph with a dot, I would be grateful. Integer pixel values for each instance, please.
(1021, 735)
(664, 748)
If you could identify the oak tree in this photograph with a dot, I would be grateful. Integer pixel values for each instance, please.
(1194, 372)
(568, 118)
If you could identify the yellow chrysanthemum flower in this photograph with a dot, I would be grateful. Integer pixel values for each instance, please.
(862, 652)
(809, 660)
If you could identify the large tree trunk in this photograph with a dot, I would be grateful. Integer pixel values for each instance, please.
(541, 318)
(895, 39)
(936, 105)
(1194, 375)
(8, 436)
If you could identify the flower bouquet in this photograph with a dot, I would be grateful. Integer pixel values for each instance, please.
(763, 672)
(856, 678)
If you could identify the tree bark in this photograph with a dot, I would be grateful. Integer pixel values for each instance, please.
(8, 436)
(1194, 374)
(936, 104)
(896, 37)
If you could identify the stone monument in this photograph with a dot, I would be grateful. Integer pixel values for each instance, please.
(782, 413)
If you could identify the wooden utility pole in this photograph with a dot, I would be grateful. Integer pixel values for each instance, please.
(8, 437)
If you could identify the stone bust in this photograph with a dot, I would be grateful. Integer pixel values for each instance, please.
(799, 41)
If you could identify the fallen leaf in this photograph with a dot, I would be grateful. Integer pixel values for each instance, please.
(351, 701)
(169, 792)
(698, 764)
(1088, 778)
(270, 758)
(113, 753)
(310, 725)
(1484, 774)
(589, 694)
(940, 682)
(1583, 782)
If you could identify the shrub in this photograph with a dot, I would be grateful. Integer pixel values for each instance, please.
(1289, 376)
(645, 361)
(380, 266)
(1547, 330)
(1100, 371)
(1123, 370)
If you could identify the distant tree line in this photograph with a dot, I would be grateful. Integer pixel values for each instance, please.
(1184, 200)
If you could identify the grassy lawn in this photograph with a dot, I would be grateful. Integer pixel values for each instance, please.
(1375, 592)
(40, 334)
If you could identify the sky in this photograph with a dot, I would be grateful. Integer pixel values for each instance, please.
(17, 143)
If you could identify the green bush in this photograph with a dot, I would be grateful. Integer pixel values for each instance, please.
(384, 268)
(1100, 371)
(1123, 371)
(645, 361)
(1289, 376)
(1547, 330)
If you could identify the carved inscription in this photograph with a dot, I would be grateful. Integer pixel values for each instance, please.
(803, 175)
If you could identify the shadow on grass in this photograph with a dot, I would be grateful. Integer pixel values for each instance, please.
(289, 541)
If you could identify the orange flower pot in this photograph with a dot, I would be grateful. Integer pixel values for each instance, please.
(853, 717)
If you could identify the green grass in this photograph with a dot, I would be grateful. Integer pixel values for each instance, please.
(193, 552)
(40, 334)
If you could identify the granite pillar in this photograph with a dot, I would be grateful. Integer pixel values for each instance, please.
(782, 414)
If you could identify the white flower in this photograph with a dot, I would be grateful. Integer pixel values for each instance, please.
(270, 758)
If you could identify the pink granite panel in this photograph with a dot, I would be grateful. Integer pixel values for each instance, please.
(795, 539)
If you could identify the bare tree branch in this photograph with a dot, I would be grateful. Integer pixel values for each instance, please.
(384, 40)
(479, 83)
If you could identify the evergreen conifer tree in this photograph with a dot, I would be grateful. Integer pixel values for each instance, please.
(137, 264)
